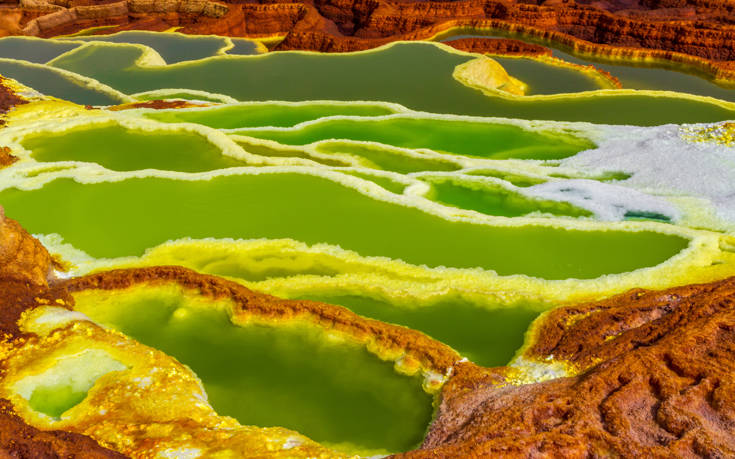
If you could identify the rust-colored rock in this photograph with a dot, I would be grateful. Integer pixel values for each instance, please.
(22, 257)
(657, 379)
(499, 46)
(8, 98)
(6, 159)
(653, 372)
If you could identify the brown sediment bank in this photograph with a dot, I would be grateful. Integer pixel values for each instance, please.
(8, 97)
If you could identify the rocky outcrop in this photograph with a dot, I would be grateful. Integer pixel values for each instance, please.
(655, 376)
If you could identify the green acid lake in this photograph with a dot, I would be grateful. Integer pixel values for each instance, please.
(119, 149)
(104, 220)
(288, 375)
(484, 140)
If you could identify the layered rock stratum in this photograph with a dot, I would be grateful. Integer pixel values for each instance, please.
(698, 33)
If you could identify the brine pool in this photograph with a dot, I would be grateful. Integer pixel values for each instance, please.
(374, 181)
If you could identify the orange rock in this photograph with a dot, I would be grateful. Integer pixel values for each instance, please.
(22, 257)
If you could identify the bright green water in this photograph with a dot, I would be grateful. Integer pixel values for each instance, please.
(50, 82)
(288, 376)
(36, 50)
(416, 75)
(104, 220)
(54, 400)
(488, 337)
(485, 140)
(172, 47)
(264, 114)
(388, 159)
(120, 149)
(495, 200)
(633, 75)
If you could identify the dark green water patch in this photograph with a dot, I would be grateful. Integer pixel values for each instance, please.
(117, 148)
(290, 376)
(543, 78)
(495, 200)
(243, 47)
(488, 337)
(104, 220)
(643, 215)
